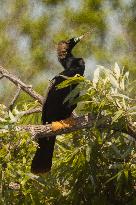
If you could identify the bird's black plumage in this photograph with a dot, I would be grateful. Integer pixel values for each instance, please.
(54, 108)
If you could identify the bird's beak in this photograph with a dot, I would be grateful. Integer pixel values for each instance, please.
(77, 39)
(82, 36)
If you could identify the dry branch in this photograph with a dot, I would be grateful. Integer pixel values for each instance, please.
(15, 98)
(32, 111)
(27, 88)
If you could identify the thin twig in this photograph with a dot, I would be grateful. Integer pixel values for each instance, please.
(27, 88)
(31, 111)
(15, 98)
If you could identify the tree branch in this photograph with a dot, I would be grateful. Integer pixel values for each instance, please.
(41, 131)
(15, 98)
(26, 88)
(78, 123)
(32, 111)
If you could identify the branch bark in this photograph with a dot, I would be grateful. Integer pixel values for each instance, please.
(78, 123)
(26, 88)
(15, 98)
(32, 111)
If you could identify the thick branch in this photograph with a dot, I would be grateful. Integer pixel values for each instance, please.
(27, 88)
(41, 131)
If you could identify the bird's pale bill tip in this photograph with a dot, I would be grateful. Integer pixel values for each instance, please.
(85, 35)
(78, 38)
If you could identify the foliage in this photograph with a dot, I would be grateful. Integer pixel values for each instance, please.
(90, 166)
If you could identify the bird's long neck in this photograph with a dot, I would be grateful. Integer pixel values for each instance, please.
(66, 62)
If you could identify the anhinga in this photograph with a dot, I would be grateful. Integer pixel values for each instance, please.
(54, 108)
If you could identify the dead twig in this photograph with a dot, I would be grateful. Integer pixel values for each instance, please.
(31, 111)
(26, 88)
(15, 98)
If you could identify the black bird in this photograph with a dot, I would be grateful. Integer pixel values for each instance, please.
(54, 108)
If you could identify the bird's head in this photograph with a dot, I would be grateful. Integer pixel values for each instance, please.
(64, 48)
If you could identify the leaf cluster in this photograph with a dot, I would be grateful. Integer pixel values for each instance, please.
(90, 166)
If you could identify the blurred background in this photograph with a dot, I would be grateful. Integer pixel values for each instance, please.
(30, 30)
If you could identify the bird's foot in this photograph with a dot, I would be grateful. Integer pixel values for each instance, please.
(69, 122)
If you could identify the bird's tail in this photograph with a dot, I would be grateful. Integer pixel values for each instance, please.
(42, 160)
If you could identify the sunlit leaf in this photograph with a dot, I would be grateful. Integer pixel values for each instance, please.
(70, 81)
(12, 117)
(117, 115)
(96, 76)
(117, 71)
(113, 81)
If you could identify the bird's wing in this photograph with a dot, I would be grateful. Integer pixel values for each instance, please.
(51, 84)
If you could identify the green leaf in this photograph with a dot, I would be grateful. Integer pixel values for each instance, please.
(71, 80)
(2, 119)
(115, 176)
(24, 160)
(116, 150)
(126, 174)
(132, 108)
(117, 71)
(113, 81)
(96, 76)
(12, 117)
(72, 95)
(117, 115)
(88, 152)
